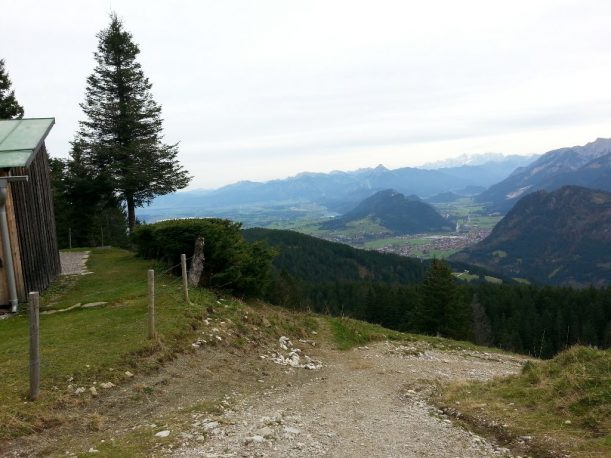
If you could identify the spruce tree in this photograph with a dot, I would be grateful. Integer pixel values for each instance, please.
(9, 107)
(85, 205)
(441, 310)
(122, 134)
(482, 329)
(437, 290)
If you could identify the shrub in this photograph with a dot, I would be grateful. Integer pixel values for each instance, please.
(230, 262)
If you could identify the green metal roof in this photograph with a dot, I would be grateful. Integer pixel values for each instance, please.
(20, 140)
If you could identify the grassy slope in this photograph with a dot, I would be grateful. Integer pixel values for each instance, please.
(101, 344)
(90, 344)
(85, 347)
(563, 404)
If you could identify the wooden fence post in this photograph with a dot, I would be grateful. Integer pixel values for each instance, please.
(151, 307)
(185, 280)
(197, 262)
(34, 346)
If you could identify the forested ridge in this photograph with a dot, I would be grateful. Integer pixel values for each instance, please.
(557, 238)
(400, 293)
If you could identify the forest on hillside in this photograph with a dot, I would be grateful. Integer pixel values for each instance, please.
(399, 293)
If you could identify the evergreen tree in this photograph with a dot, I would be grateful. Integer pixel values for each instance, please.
(122, 134)
(440, 310)
(482, 329)
(85, 205)
(9, 107)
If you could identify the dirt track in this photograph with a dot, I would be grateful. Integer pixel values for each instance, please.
(220, 402)
(368, 402)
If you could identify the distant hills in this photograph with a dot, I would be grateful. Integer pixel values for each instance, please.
(588, 165)
(337, 192)
(395, 212)
(559, 237)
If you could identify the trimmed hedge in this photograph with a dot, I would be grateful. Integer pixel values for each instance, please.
(230, 262)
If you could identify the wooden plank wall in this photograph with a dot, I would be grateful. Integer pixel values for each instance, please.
(33, 204)
(16, 251)
(15, 248)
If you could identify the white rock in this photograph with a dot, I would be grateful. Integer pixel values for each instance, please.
(211, 425)
(93, 391)
(93, 450)
(79, 390)
(291, 430)
(164, 433)
(128, 374)
(284, 343)
(107, 385)
(265, 432)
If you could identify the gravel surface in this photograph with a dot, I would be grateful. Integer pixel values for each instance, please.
(74, 262)
(368, 402)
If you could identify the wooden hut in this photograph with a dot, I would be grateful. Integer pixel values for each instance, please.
(29, 222)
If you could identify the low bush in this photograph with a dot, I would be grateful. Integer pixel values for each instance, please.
(231, 263)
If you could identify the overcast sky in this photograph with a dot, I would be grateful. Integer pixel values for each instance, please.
(265, 89)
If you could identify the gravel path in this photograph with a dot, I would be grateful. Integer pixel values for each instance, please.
(368, 402)
(74, 262)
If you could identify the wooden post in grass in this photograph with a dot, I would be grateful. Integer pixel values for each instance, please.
(185, 280)
(151, 307)
(197, 263)
(34, 346)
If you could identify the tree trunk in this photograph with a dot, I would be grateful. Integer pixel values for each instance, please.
(197, 263)
(131, 214)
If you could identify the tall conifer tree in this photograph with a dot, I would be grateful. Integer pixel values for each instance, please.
(441, 310)
(9, 107)
(122, 134)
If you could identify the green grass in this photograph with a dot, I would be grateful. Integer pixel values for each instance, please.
(466, 206)
(83, 346)
(485, 222)
(459, 208)
(92, 344)
(567, 398)
(349, 333)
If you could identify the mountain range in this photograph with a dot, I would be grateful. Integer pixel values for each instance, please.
(588, 165)
(559, 237)
(395, 212)
(336, 191)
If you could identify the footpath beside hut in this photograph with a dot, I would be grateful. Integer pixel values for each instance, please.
(27, 221)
